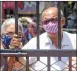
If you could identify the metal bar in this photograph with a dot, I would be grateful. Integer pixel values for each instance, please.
(0, 15)
(76, 31)
(27, 63)
(48, 62)
(65, 15)
(59, 25)
(16, 17)
(37, 15)
(0, 19)
(37, 53)
(59, 28)
(72, 30)
(70, 63)
(76, 16)
(14, 54)
(76, 62)
(6, 64)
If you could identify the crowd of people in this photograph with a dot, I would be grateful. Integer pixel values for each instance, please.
(27, 33)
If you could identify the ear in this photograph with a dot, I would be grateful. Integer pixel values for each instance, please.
(41, 25)
(63, 22)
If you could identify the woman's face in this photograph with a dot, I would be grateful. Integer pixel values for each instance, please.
(30, 28)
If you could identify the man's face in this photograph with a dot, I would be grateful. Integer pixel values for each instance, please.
(10, 30)
(51, 15)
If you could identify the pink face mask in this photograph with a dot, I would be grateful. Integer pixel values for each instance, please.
(51, 27)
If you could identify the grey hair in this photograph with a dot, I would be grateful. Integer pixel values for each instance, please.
(61, 11)
(8, 22)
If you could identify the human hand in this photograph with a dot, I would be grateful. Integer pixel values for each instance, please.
(15, 42)
(73, 64)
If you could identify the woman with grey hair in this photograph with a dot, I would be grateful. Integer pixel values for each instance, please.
(8, 42)
(8, 30)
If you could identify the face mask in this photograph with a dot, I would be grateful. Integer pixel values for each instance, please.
(51, 27)
(6, 40)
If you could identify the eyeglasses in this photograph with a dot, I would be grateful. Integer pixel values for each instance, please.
(48, 20)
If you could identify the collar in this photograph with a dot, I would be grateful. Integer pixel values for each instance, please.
(65, 40)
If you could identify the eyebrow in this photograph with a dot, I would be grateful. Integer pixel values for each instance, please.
(50, 18)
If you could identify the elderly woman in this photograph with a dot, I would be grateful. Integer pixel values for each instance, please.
(8, 42)
(8, 31)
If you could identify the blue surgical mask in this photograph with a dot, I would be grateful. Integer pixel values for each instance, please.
(6, 40)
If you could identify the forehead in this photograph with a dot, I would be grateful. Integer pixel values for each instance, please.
(49, 13)
(11, 28)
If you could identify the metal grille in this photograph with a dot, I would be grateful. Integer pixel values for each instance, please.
(41, 53)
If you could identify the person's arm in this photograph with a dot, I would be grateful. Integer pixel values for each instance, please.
(30, 45)
(1, 63)
(73, 64)
(12, 61)
(15, 42)
(1, 59)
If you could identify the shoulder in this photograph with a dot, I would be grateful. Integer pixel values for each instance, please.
(72, 38)
(32, 44)
(70, 35)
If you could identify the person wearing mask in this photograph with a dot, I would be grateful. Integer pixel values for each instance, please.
(7, 33)
(49, 40)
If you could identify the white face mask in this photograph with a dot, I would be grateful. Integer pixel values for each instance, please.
(51, 27)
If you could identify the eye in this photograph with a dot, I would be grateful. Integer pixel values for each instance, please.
(46, 22)
(10, 33)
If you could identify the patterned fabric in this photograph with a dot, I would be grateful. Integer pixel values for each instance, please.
(6, 40)
(51, 27)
